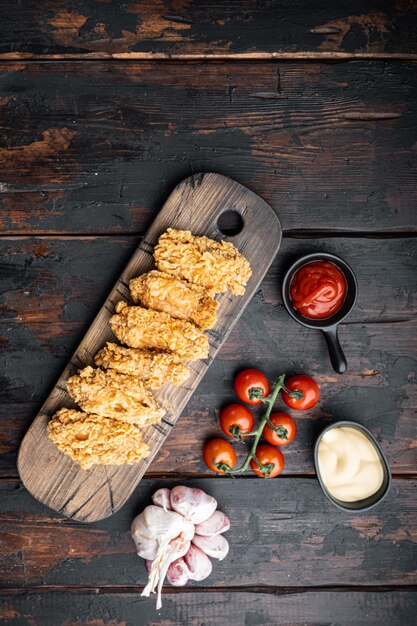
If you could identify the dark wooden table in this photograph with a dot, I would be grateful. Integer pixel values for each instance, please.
(105, 106)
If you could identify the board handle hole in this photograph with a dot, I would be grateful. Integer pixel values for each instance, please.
(230, 223)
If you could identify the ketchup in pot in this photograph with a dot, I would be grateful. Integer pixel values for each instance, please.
(318, 289)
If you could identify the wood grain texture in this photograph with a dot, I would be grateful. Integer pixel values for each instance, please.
(52, 288)
(97, 147)
(284, 533)
(361, 608)
(167, 28)
(195, 204)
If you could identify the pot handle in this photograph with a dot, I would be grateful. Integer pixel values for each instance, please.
(337, 356)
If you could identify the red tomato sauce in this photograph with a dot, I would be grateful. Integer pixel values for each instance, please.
(318, 289)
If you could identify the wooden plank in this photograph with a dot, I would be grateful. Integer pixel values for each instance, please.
(197, 204)
(97, 147)
(53, 286)
(94, 29)
(362, 608)
(284, 533)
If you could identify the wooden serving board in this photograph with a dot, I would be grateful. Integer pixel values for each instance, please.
(195, 204)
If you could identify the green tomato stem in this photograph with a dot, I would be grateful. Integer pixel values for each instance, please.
(258, 432)
(235, 431)
(297, 394)
(222, 466)
(280, 430)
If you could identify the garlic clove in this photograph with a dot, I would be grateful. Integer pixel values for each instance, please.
(216, 547)
(194, 504)
(178, 573)
(198, 563)
(214, 525)
(162, 498)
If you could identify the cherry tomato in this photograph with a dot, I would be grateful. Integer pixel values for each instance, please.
(219, 455)
(236, 420)
(286, 429)
(309, 392)
(271, 458)
(250, 382)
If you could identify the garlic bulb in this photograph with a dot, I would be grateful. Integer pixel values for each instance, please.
(164, 535)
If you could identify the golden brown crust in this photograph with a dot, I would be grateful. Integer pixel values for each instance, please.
(154, 369)
(216, 266)
(145, 329)
(164, 292)
(93, 440)
(179, 303)
(112, 394)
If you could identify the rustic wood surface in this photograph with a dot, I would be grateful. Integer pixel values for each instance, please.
(252, 608)
(104, 108)
(284, 533)
(198, 204)
(166, 28)
(97, 147)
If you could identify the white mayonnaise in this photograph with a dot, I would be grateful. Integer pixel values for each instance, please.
(349, 464)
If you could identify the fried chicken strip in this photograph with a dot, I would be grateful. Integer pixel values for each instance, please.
(163, 292)
(152, 330)
(216, 266)
(93, 440)
(116, 395)
(154, 369)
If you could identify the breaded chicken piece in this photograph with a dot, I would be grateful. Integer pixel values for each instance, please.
(93, 440)
(154, 369)
(111, 394)
(152, 330)
(185, 301)
(216, 266)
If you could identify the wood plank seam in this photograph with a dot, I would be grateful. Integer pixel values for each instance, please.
(286, 234)
(206, 57)
(257, 589)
